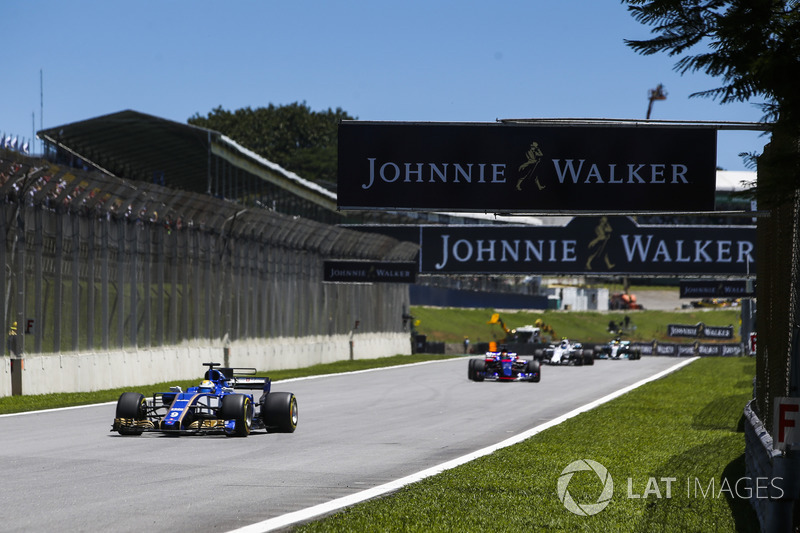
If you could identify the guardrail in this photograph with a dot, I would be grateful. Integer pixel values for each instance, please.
(773, 486)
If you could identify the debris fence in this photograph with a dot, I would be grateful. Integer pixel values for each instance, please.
(93, 262)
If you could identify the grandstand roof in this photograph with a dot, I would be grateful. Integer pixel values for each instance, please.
(134, 145)
(142, 147)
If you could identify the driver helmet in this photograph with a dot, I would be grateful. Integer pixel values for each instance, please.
(207, 386)
(564, 343)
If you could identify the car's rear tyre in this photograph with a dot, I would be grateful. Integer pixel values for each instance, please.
(471, 370)
(239, 408)
(535, 368)
(279, 412)
(588, 357)
(131, 406)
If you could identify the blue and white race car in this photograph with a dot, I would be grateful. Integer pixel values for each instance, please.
(213, 407)
(566, 352)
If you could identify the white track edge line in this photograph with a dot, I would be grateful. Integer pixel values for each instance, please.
(308, 513)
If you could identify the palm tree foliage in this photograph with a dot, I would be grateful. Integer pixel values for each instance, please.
(753, 46)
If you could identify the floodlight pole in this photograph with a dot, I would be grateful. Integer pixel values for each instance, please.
(653, 95)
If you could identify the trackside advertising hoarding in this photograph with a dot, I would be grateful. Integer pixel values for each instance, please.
(369, 272)
(700, 330)
(591, 245)
(494, 167)
(732, 288)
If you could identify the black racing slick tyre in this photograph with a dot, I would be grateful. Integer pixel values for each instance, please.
(479, 370)
(535, 368)
(279, 412)
(588, 357)
(131, 406)
(471, 370)
(239, 408)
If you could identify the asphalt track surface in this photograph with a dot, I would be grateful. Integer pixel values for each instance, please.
(63, 470)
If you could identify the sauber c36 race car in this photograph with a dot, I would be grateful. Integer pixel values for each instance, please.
(504, 366)
(617, 349)
(213, 407)
(565, 352)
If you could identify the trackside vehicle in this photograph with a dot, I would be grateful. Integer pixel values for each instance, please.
(504, 366)
(213, 407)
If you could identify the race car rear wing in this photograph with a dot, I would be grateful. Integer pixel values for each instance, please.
(239, 378)
(250, 383)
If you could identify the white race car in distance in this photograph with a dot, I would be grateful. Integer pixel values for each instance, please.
(564, 353)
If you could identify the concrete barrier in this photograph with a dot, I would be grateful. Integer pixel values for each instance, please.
(5, 376)
(87, 372)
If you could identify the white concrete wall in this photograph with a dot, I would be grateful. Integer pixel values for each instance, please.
(5, 376)
(86, 372)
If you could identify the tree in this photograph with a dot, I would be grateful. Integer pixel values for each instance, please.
(753, 45)
(298, 139)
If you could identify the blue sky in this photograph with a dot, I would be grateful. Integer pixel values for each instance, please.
(428, 60)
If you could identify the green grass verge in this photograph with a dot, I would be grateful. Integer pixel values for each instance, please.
(453, 324)
(17, 404)
(685, 426)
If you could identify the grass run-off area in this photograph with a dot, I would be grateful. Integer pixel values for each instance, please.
(674, 449)
(453, 324)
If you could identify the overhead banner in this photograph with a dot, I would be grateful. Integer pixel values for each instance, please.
(519, 168)
(591, 246)
(731, 288)
(369, 272)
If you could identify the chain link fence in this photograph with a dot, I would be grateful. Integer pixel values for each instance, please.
(778, 343)
(777, 320)
(93, 262)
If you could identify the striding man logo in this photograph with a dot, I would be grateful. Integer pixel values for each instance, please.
(532, 158)
(597, 246)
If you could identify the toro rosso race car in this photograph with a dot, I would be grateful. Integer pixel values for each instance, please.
(617, 349)
(565, 352)
(213, 407)
(504, 366)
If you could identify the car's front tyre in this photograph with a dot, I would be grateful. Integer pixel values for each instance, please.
(239, 408)
(479, 370)
(535, 368)
(130, 407)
